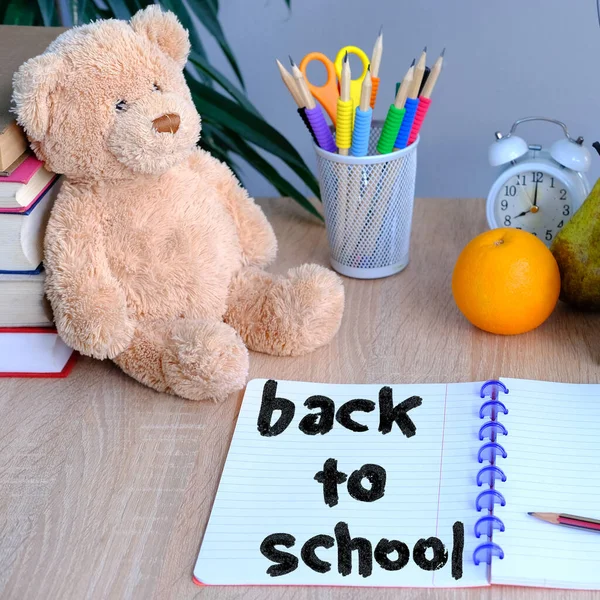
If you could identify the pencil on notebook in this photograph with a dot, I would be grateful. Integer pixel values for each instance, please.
(314, 115)
(425, 98)
(375, 65)
(568, 520)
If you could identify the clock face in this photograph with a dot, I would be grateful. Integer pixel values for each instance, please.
(534, 201)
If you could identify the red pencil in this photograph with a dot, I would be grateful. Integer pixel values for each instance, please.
(568, 520)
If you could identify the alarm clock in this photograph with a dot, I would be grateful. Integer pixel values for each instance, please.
(537, 190)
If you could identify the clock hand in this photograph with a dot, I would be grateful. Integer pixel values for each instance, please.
(535, 208)
(522, 214)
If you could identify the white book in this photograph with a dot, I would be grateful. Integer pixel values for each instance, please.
(22, 301)
(22, 233)
(382, 486)
(33, 352)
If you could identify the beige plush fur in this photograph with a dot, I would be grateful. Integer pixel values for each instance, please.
(154, 253)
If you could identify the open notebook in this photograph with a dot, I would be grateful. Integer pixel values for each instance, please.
(369, 485)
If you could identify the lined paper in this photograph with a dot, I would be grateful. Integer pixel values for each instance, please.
(553, 447)
(268, 487)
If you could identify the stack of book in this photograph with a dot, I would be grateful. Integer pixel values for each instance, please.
(29, 344)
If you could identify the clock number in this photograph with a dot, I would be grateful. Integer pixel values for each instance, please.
(510, 190)
(504, 204)
(566, 210)
(507, 220)
(521, 180)
(548, 234)
(537, 177)
(563, 194)
(534, 233)
(551, 182)
(560, 224)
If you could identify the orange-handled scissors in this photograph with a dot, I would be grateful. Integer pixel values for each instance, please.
(328, 94)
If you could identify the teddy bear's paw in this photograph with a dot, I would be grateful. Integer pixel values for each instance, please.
(205, 360)
(310, 304)
(100, 328)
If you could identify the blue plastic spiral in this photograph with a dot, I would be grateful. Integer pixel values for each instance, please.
(361, 132)
(407, 123)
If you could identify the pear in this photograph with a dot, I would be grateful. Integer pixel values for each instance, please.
(577, 251)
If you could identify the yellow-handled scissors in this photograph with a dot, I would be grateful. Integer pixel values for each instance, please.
(328, 94)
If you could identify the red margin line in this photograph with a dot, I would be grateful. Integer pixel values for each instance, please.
(437, 518)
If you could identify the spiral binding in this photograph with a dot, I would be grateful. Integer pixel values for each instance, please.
(490, 452)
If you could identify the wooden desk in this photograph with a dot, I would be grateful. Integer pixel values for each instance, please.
(106, 486)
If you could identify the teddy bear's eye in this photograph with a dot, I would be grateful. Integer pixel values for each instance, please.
(121, 105)
(156, 87)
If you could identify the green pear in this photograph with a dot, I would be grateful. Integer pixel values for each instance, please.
(577, 251)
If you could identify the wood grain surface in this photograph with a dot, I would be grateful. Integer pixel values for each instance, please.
(106, 486)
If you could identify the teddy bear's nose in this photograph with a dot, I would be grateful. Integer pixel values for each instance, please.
(168, 123)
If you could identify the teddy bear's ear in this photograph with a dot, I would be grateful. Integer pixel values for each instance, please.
(32, 85)
(165, 30)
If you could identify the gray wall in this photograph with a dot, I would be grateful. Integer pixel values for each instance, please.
(504, 60)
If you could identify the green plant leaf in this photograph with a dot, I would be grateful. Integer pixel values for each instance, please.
(250, 127)
(282, 185)
(207, 13)
(205, 67)
(119, 9)
(177, 7)
(47, 11)
(18, 14)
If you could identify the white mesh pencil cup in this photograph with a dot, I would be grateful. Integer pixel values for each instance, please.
(368, 204)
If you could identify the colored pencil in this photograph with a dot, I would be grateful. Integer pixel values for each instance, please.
(568, 521)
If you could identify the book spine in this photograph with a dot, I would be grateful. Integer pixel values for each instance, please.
(490, 475)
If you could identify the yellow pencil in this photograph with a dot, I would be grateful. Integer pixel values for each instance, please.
(344, 111)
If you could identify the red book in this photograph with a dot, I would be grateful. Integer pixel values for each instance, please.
(34, 352)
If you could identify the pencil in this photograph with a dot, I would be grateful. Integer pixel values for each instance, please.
(411, 103)
(306, 97)
(290, 84)
(419, 73)
(395, 114)
(425, 98)
(344, 110)
(309, 112)
(375, 65)
(433, 76)
(362, 118)
(568, 520)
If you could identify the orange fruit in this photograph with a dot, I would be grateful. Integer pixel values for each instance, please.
(506, 281)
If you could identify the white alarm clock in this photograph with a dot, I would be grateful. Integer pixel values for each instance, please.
(537, 190)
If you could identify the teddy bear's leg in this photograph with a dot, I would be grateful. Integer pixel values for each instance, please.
(286, 316)
(198, 360)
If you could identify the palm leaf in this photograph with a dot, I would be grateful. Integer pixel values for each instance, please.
(205, 67)
(251, 127)
(206, 11)
(47, 11)
(282, 185)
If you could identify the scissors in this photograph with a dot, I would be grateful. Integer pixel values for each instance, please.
(328, 94)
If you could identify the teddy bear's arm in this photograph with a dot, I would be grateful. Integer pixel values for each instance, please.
(89, 305)
(259, 245)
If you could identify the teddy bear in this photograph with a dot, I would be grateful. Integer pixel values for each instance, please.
(154, 253)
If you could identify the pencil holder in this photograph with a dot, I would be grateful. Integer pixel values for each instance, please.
(368, 204)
